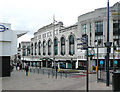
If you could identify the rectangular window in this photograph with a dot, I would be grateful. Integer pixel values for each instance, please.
(90, 34)
(99, 32)
(44, 35)
(116, 31)
(56, 32)
(39, 36)
(98, 26)
(48, 34)
(84, 29)
(24, 51)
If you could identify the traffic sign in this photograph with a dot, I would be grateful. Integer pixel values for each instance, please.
(84, 40)
(84, 44)
(84, 48)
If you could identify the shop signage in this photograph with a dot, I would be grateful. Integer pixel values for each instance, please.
(117, 50)
(117, 13)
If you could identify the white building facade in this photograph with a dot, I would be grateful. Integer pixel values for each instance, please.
(94, 24)
(63, 39)
(67, 51)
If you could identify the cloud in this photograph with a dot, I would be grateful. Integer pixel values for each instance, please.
(34, 14)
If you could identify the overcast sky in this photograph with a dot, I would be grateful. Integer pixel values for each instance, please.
(31, 15)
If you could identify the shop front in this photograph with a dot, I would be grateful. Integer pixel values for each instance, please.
(81, 64)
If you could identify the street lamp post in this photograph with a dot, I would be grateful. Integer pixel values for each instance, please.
(54, 21)
(108, 45)
(87, 79)
(84, 43)
(97, 57)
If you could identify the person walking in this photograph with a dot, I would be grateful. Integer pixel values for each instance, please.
(11, 67)
(26, 69)
(17, 67)
(56, 68)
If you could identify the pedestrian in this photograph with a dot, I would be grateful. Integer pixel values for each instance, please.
(20, 66)
(24, 64)
(26, 69)
(11, 67)
(56, 68)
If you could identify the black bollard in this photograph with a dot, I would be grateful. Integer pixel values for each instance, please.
(34, 70)
(52, 74)
(38, 71)
(48, 74)
(60, 75)
(65, 75)
(56, 75)
(43, 71)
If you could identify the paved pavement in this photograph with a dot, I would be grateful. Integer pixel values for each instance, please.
(35, 81)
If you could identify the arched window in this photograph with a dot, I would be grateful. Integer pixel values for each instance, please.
(35, 48)
(28, 50)
(24, 51)
(55, 46)
(39, 48)
(71, 45)
(49, 47)
(32, 49)
(44, 47)
(62, 46)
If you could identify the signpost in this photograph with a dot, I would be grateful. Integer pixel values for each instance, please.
(90, 53)
(84, 44)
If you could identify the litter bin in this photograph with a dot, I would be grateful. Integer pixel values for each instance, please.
(116, 81)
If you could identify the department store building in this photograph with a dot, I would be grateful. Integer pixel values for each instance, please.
(68, 52)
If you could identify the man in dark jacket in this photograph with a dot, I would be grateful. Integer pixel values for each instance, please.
(26, 69)
(56, 68)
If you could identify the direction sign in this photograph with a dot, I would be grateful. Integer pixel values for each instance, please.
(84, 40)
(81, 44)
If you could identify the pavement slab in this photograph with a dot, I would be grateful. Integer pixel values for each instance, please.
(35, 81)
